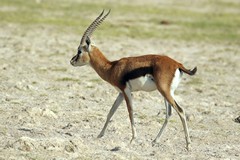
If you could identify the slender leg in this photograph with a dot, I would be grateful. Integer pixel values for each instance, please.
(165, 102)
(128, 98)
(168, 93)
(182, 116)
(168, 115)
(117, 102)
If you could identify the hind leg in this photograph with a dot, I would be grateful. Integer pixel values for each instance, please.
(168, 115)
(182, 116)
(165, 101)
(166, 85)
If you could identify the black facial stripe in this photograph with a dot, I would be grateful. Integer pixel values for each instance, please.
(77, 56)
(136, 73)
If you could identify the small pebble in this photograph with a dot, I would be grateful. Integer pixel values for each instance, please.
(237, 120)
(115, 149)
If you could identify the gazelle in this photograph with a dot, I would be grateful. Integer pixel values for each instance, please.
(143, 73)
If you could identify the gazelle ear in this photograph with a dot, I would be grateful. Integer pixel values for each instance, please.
(88, 42)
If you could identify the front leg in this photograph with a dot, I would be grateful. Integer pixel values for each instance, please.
(117, 102)
(128, 99)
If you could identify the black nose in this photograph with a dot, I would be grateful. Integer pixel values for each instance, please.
(73, 60)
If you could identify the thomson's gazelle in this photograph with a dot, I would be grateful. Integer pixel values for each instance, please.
(143, 73)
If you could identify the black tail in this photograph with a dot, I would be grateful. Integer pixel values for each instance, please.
(190, 72)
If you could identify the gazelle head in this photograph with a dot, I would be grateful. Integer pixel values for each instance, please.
(84, 49)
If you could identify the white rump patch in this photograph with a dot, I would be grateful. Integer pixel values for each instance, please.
(176, 80)
(143, 83)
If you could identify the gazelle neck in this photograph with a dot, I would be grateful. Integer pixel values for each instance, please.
(100, 63)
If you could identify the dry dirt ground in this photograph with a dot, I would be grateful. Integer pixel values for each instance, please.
(51, 110)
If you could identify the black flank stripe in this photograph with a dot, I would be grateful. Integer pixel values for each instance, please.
(136, 73)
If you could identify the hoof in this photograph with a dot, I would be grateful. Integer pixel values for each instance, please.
(133, 138)
(188, 147)
(154, 142)
(100, 135)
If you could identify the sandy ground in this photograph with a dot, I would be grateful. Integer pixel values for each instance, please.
(51, 110)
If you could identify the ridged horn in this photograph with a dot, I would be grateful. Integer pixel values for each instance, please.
(93, 26)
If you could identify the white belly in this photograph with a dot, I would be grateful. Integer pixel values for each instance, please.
(144, 83)
(147, 83)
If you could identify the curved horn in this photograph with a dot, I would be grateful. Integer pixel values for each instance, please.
(98, 23)
(93, 26)
(90, 28)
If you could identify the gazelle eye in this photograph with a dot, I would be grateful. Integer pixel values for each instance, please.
(79, 52)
